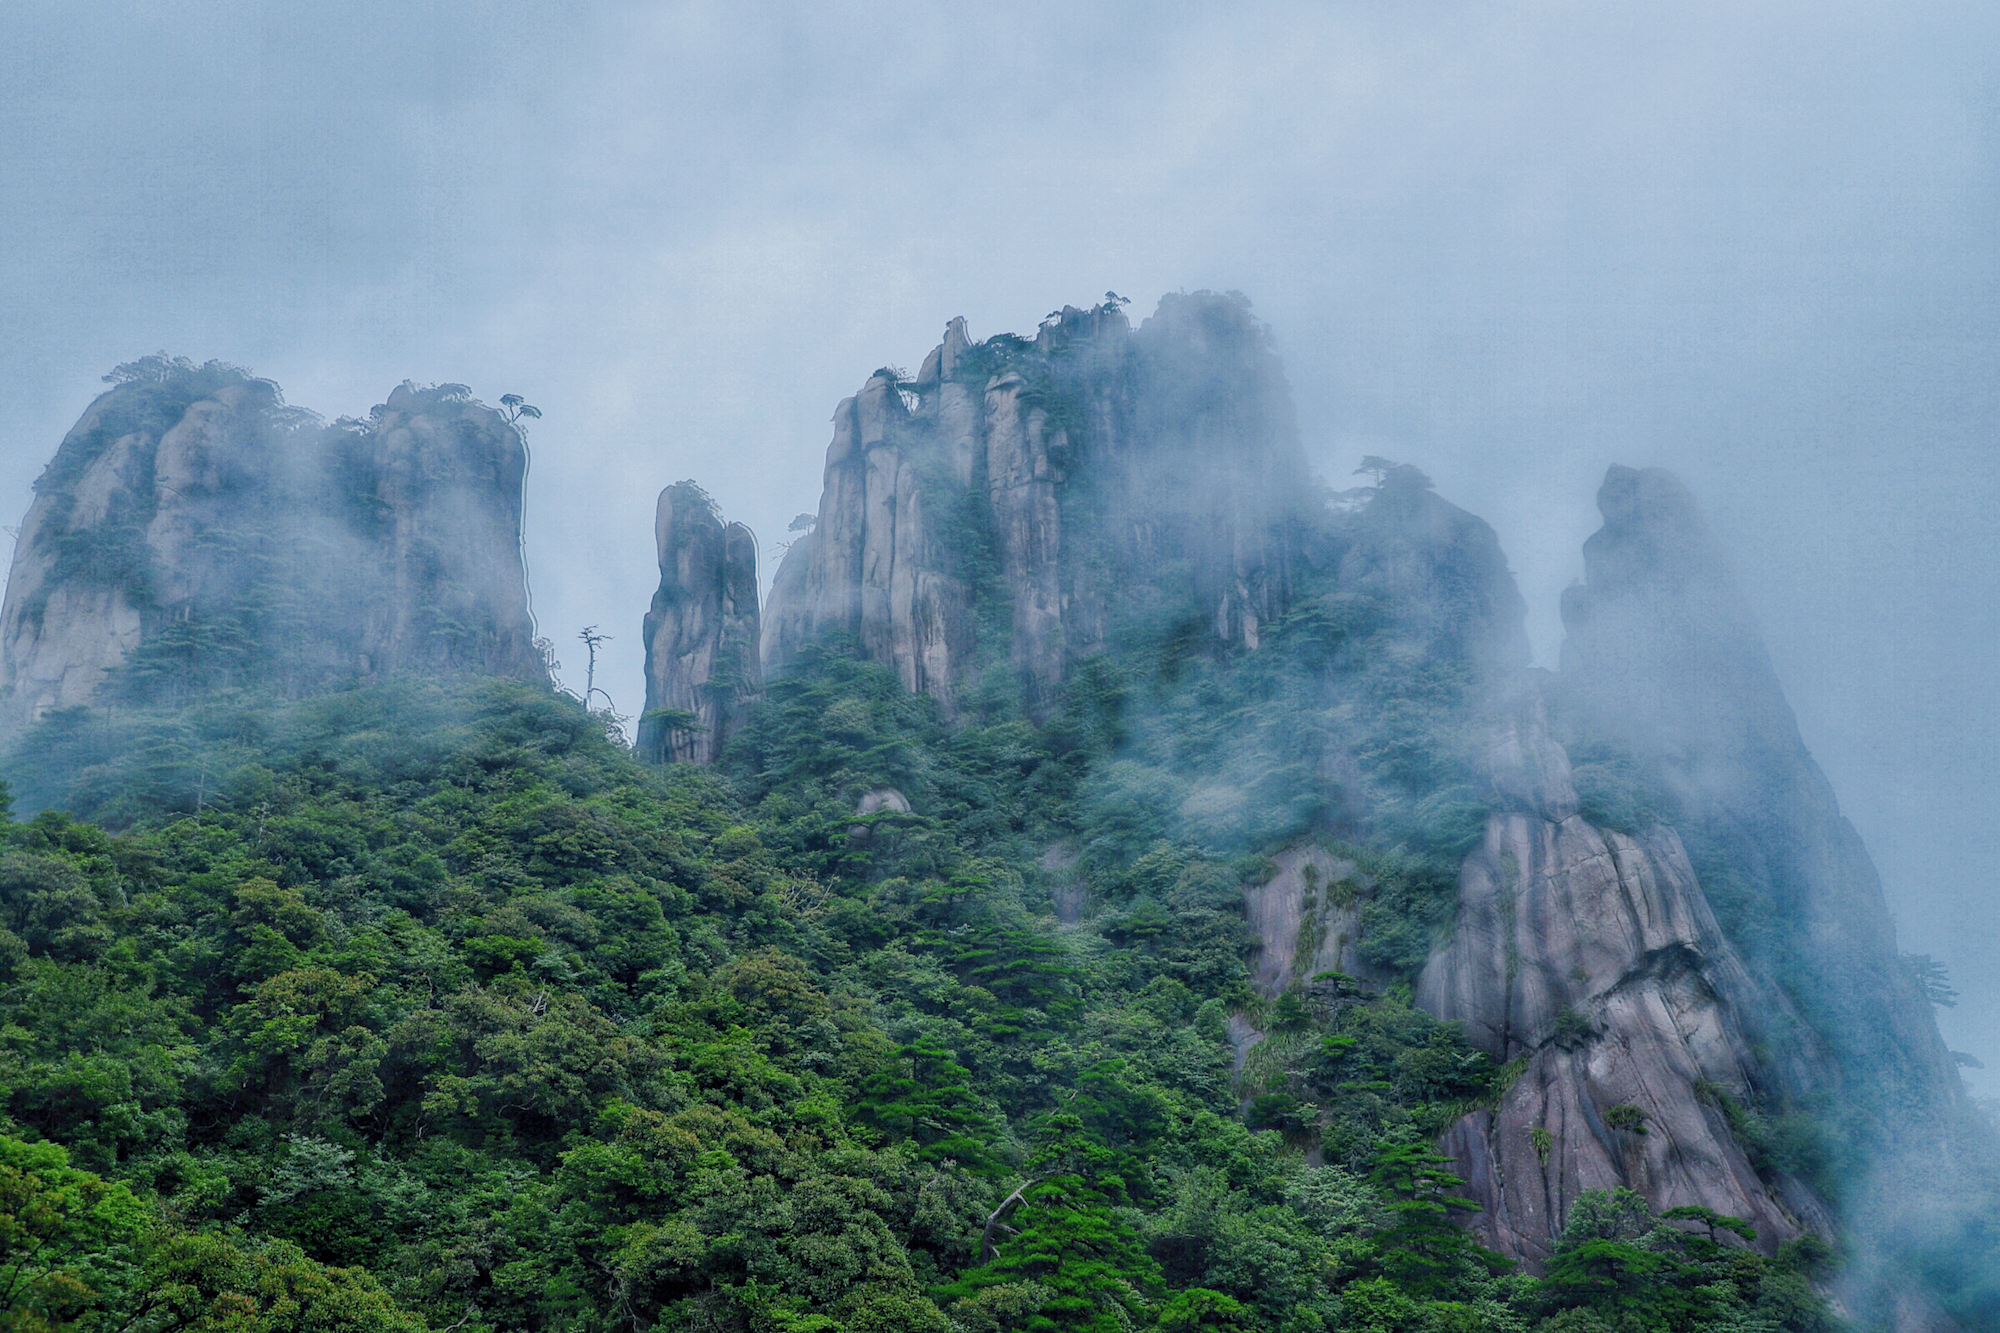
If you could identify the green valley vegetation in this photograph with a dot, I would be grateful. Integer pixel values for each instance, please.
(424, 1005)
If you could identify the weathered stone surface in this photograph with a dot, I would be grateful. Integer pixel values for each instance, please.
(212, 464)
(1590, 957)
(1306, 919)
(878, 806)
(198, 506)
(876, 569)
(1593, 956)
(1157, 469)
(1665, 662)
(881, 799)
(1027, 527)
(448, 476)
(59, 636)
(702, 631)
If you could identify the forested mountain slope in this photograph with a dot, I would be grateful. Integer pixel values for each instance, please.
(1142, 891)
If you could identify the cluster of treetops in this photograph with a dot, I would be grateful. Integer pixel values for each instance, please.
(424, 1005)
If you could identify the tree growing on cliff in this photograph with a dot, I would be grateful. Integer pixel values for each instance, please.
(1423, 1248)
(1931, 975)
(515, 408)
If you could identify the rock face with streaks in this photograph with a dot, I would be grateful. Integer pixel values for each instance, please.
(702, 668)
(1305, 918)
(438, 478)
(1665, 673)
(1588, 955)
(1592, 956)
(1018, 506)
(1664, 928)
(877, 566)
(192, 531)
(1011, 502)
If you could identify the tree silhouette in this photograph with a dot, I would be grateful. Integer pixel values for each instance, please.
(515, 408)
(591, 639)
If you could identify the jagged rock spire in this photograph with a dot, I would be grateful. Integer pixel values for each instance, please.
(701, 635)
(1665, 660)
(1041, 485)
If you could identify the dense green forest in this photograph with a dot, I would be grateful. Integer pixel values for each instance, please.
(424, 1005)
(333, 1001)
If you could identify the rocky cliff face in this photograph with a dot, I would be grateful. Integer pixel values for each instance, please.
(878, 567)
(1657, 1038)
(447, 475)
(1015, 499)
(1664, 662)
(701, 635)
(1592, 956)
(1306, 920)
(191, 531)
(1662, 922)
(1585, 956)
(1665, 672)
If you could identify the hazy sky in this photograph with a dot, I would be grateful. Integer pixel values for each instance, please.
(1511, 243)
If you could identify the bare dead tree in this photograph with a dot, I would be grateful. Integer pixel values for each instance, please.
(591, 639)
(989, 1249)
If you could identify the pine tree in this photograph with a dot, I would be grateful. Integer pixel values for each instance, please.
(1064, 1233)
(920, 1096)
(1423, 1249)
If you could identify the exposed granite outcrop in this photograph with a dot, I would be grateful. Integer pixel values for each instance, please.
(447, 474)
(1664, 664)
(191, 531)
(1306, 919)
(1592, 956)
(1026, 504)
(1044, 487)
(877, 568)
(702, 631)
(1589, 956)
(1646, 1036)
(1027, 526)
(60, 634)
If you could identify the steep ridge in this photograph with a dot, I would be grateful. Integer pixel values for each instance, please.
(1656, 918)
(1668, 685)
(1664, 661)
(1583, 957)
(447, 474)
(192, 530)
(976, 514)
(702, 669)
(1646, 1046)
(876, 566)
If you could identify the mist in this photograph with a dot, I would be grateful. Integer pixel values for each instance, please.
(1511, 244)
